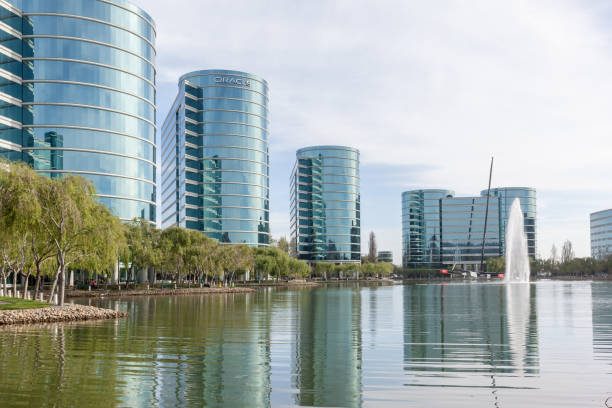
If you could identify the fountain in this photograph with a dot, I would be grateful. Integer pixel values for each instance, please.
(517, 257)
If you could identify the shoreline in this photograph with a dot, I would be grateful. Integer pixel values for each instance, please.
(99, 293)
(53, 314)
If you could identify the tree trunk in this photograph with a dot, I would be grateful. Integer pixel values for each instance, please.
(62, 286)
(37, 286)
(25, 285)
(53, 286)
(15, 283)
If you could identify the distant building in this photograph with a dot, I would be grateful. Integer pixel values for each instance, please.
(441, 230)
(385, 256)
(601, 234)
(214, 157)
(325, 205)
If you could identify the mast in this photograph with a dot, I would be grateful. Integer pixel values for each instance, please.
(484, 232)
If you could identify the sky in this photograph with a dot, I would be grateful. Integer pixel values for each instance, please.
(428, 91)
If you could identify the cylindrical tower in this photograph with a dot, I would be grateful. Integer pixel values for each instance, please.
(325, 210)
(215, 158)
(421, 227)
(77, 82)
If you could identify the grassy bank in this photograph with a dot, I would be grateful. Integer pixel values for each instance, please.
(9, 303)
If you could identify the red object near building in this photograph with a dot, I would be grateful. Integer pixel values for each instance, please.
(443, 271)
(500, 275)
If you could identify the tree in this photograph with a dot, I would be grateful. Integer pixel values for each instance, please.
(283, 245)
(20, 212)
(174, 244)
(496, 264)
(567, 252)
(553, 254)
(372, 254)
(141, 250)
(73, 221)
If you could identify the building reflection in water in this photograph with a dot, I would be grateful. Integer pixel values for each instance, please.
(217, 351)
(602, 321)
(327, 353)
(470, 328)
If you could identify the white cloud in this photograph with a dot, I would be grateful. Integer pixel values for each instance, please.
(440, 84)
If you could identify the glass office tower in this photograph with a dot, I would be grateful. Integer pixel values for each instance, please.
(214, 157)
(441, 230)
(325, 205)
(601, 234)
(77, 95)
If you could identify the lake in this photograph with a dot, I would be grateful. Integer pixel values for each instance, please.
(545, 344)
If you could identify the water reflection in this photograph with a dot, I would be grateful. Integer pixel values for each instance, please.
(602, 322)
(327, 351)
(450, 328)
(460, 345)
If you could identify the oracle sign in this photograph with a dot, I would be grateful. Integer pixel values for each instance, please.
(232, 81)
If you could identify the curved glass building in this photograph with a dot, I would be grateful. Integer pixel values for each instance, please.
(325, 205)
(215, 159)
(601, 234)
(441, 230)
(77, 95)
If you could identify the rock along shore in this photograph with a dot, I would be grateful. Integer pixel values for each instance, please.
(50, 314)
(154, 292)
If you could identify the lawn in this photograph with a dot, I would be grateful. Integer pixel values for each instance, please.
(9, 303)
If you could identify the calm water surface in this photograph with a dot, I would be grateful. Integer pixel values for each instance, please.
(434, 345)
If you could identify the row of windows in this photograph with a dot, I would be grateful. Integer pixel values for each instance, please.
(225, 103)
(227, 164)
(329, 247)
(91, 162)
(93, 74)
(320, 205)
(226, 128)
(227, 177)
(87, 95)
(224, 188)
(91, 52)
(228, 92)
(129, 209)
(248, 238)
(91, 30)
(329, 213)
(136, 20)
(227, 152)
(335, 187)
(232, 201)
(88, 117)
(326, 153)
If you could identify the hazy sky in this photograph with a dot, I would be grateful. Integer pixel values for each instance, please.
(428, 91)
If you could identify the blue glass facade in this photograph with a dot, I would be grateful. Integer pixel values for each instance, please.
(77, 95)
(439, 229)
(325, 205)
(601, 234)
(214, 157)
(385, 256)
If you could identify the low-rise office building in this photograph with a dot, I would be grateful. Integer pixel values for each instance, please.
(441, 230)
(601, 234)
(325, 205)
(385, 256)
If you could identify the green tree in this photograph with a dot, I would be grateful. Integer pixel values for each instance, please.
(174, 244)
(72, 222)
(497, 265)
(283, 245)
